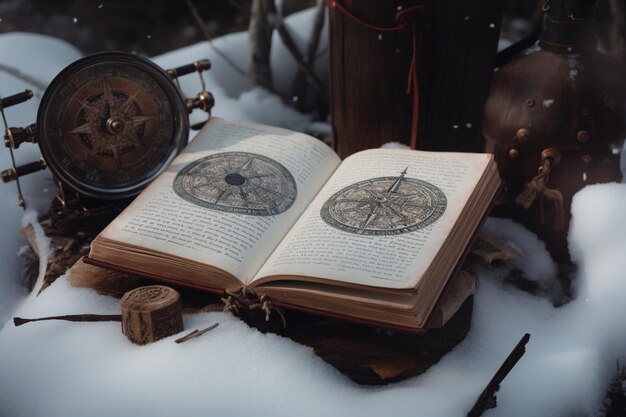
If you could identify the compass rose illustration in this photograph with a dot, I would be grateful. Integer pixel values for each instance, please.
(112, 123)
(385, 206)
(237, 182)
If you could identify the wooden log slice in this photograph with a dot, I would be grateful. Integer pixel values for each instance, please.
(151, 313)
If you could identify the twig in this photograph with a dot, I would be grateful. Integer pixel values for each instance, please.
(209, 37)
(18, 321)
(487, 398)
(260, 44)
(27, 78)
(300, 82)
(196, 333)
(236, 302)
(291, 46)
(267, 307)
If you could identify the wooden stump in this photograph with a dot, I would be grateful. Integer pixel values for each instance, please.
(369, 71)
(151, 313)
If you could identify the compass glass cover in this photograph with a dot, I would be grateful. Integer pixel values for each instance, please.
(110, 123)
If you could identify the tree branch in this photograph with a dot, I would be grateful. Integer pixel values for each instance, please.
(260, 37)
(209, 37)
(291, 46)
(300, 83)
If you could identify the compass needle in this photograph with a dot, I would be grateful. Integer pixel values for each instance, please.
(84, 104)
(371, 193)
(223, 193)
(133, 140)
(107, 96)
(138, 120)
(396, 184)
(384, 206)
(130, 100)
(254, 177)
(268, 190)
(115, 149)
(246, 166)
(85, 128)
(244, 197)
(406, 220)
(372, 215)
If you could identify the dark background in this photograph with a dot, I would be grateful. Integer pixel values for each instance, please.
(148, 27)
(152, 27)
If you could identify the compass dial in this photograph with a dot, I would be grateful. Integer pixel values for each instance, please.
(110, 123)
(385, 206)
(237, 182)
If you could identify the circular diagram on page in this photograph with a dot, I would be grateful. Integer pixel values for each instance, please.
(385, 206)
(237, 182)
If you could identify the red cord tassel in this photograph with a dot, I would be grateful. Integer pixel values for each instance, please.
(406, 21)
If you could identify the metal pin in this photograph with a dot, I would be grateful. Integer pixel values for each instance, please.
(9, 136)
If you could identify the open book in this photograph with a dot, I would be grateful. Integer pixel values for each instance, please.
(374, 238)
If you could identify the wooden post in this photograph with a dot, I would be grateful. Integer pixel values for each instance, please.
(369, 72)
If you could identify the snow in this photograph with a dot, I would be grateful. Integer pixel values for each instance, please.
(40, 58)
(78, 369)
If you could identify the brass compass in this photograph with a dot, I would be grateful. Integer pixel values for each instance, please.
(109, 123)
(103, 128)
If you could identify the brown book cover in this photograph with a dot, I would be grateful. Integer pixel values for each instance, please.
(373, 239)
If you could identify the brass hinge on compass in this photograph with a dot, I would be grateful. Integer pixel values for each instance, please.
(13, 138)
(204, 100)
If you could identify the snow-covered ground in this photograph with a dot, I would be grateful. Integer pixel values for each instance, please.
(80, 369)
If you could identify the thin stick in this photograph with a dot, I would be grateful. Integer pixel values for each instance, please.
(291, 46)
(24, 77)
(487, 398)
(300, 83)
(18, 321)
(196, 333)
(209, 37)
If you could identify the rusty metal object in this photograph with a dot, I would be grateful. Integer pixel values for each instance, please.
(579, 94)
(582, 136)
(107, 125)
(513, 153)
(20, 135)
(522, 135)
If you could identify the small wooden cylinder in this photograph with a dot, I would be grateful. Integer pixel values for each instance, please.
(151, 313)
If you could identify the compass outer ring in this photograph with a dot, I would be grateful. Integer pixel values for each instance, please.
(292, 188)
(181, 122)
(442, 203)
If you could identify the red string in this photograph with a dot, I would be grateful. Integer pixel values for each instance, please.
(406, 20)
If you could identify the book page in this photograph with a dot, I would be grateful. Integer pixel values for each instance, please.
(229, 197)
(380, 219)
